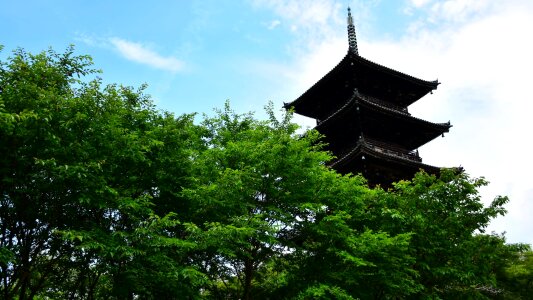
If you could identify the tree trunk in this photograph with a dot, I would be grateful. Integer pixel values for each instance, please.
(248, 274)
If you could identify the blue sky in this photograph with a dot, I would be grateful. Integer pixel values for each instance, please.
(196, 54)
(193, 54)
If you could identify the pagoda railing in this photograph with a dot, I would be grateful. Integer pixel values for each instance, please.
(382, 147)
(391, 149)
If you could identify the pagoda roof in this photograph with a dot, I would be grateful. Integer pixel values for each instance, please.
(364, 156)
(357, 72)
(360, 116)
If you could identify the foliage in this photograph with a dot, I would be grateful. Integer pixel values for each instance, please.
(82, 166)
(104, 197)
(447, 219)
(515, 279)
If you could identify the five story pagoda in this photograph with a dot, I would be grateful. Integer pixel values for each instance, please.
(361, 108)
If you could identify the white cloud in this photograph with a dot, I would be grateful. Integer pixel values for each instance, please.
(419, 3)
(320, 39)
(92, 40)
(484, 66)
(459, 10)
(302, 13)
(310, 20)
(480, 51)
(141, 54)
(273, 24)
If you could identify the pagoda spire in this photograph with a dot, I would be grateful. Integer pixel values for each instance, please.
(352, 38)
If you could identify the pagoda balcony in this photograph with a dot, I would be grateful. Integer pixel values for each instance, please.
(382, 147)
(388, 149)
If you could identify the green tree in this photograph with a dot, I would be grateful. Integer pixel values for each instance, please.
(252, 185)
(515, 277)
(447, 220)
(272, 220)
(82, 166)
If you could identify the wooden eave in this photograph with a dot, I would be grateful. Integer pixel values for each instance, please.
(405, 78)
(353, 72)
(360, 117)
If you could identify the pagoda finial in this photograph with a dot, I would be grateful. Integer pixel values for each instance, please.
(352, 38)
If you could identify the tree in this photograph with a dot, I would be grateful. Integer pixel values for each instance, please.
(447, 219)
(515, 276)
(81, 167)
(251, 188)
(271, 218)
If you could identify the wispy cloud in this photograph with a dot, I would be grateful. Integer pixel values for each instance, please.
(139, 53)
(92, 40)
(310, 20)
(454, 11)
(419, 3)
(136, 52)
(273, 24)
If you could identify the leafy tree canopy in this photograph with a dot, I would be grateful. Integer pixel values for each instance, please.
(104, 196)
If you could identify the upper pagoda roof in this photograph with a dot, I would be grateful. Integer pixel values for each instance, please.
(357, 72)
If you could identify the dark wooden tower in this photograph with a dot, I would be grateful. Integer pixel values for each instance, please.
(361, 108)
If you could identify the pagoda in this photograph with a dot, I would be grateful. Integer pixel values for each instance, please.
(361, 109)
